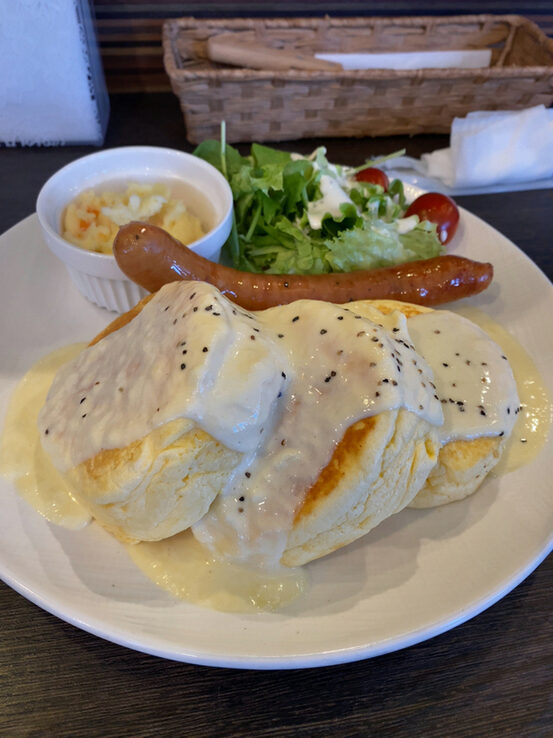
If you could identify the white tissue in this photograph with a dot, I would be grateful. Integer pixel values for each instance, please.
(461, 59)
(51, 85)
(487, 148)
(494, 151)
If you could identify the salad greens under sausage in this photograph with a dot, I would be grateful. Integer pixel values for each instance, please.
(298, 214)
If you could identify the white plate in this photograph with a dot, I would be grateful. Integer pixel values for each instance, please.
(418, 574)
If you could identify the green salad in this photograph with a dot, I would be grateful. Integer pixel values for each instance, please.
(303, 215)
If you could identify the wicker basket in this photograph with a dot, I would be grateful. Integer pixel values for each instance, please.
(280, 105)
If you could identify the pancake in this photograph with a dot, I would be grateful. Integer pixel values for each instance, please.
(156, 486)
(167, 479)
(463, 464)
(376, 470)
(170, 478)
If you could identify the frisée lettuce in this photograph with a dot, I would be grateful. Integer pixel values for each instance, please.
(298, 214)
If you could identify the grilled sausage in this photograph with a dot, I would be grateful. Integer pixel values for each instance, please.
(151, 257)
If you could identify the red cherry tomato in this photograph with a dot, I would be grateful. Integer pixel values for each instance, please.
(374, 176)
(439, 209)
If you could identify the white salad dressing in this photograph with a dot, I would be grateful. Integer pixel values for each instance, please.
(332, 196)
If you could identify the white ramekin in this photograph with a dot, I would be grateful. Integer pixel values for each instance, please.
(97, 276)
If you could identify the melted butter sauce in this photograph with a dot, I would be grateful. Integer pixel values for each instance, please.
(23, 460)
(533, 423)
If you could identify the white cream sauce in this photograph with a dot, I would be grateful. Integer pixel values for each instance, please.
(281, 385)
(473, 377)
(343, 367)
(180, 564)
(221, 584)
(190, 353)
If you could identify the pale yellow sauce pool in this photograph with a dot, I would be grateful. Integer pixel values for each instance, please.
(189, 571)
(533, 422)
(22, 458)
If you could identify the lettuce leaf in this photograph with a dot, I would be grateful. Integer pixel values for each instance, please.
(378, 244)
(272, 190)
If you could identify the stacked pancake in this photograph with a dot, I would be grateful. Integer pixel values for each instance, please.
(277, 436)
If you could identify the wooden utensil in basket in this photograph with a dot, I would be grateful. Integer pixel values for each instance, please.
(234, 49)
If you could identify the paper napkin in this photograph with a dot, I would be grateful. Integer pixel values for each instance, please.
(489, 151)
(496, 147)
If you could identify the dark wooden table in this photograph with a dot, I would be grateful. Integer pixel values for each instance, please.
(492, 676)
